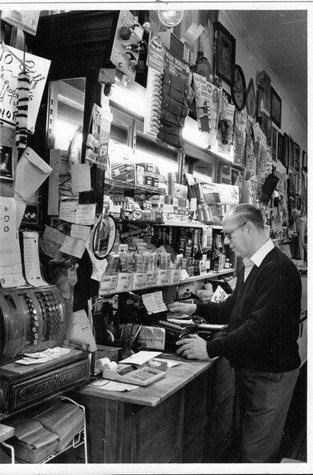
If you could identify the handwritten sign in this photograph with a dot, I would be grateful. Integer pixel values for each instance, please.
(11, 64)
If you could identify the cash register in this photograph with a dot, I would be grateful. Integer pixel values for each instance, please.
(33, 319)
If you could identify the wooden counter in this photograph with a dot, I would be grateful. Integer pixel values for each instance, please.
(174, 420)
(176, 378)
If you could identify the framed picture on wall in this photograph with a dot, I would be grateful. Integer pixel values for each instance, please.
(304, 164)
(225, 53)
(291, 154)
(275, 107)
(274, 144)
(296, 157)
(280, 146)
(251, 99)
(285, 160)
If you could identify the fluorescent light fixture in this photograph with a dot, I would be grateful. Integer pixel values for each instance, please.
(131, 97)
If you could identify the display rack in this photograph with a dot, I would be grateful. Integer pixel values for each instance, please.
(79, 439)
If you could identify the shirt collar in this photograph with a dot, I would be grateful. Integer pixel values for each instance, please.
(260, 254)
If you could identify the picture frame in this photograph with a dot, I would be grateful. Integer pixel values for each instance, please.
(304, 163)
(275, 107)
(285, 160)
(251, 99)
(225, 53)
(291, 154)
(274, 144)
(280, 147)
(296, 157)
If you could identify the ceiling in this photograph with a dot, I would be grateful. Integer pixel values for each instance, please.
(280, 38)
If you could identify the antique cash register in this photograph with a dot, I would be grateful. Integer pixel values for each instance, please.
(32, 320)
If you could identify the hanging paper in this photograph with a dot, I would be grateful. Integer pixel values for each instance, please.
(52, 242)
(31, 259)
(31, 172)
(11, 64)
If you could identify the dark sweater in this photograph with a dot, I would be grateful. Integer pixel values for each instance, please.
(263, 316)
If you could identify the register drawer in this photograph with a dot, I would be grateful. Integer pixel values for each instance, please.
(14, 396)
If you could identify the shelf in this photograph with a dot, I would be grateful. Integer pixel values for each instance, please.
(195, 278)
(209, 275)
(80, 438)
(110, 183)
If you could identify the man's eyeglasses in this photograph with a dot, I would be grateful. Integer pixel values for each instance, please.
(229, 235)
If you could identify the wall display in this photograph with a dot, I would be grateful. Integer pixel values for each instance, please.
(264, 87)
(208, 104)
(275, 107)
(291, 154)
(225, 53)
(296, 157)
(266, 127)
(304, 163)
(285, 160)
(251, 99)
(125, 52)
(274, 143)
(239, 90)
(280, 147)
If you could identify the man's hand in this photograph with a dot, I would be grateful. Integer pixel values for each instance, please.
(193, 347)
(182, 308)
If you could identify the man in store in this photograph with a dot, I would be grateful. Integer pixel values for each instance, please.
(263, 316)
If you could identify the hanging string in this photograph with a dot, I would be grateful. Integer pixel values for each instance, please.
(22, 92)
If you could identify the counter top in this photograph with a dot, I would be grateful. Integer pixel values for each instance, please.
(152, 395)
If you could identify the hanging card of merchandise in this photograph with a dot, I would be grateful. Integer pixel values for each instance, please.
(174, 108)
(208, 97)
(225, 126)
(127, 44)
(167, 91)
(240, 126)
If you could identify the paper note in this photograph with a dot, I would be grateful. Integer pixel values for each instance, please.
(20, 209)
(109, 385)
(68, 210)
(73, 247)
(12, 274)
(81, 178)
(86, 214)
(31, 259)
(52, 242)
(7, 229)
(141, 357)
(154, 302)
(80, 232)
(31, 172)
(78, 330)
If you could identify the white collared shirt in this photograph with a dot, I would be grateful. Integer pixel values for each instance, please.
(257, 257)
